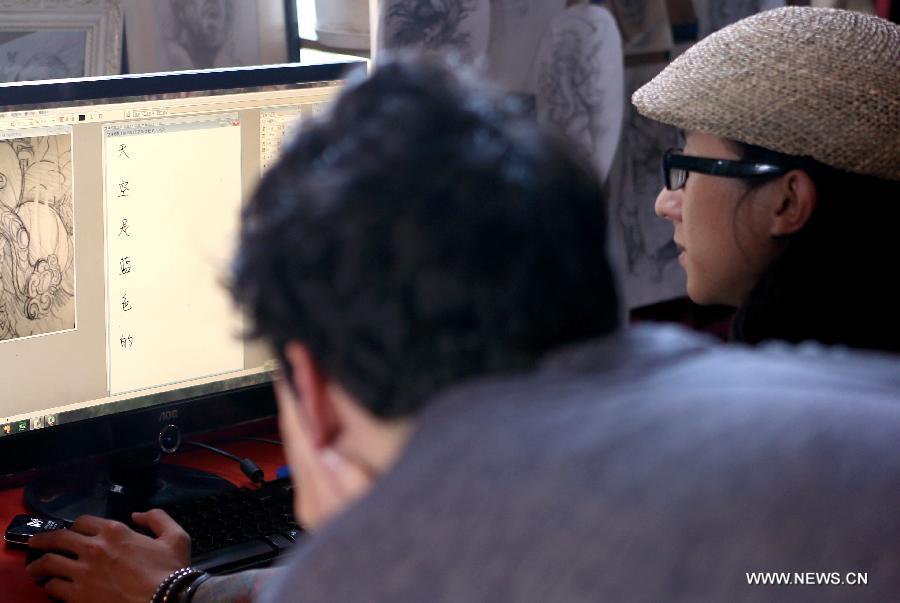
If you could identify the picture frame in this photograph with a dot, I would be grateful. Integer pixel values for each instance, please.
(174, 35)
(53, 39)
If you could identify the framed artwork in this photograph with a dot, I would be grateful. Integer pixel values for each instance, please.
(173, 35)
(50, 39)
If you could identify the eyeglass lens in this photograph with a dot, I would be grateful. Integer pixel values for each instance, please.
(677, 178)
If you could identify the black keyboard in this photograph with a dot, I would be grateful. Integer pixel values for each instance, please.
(239, 529)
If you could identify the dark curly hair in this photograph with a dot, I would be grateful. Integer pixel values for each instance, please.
(421, 232)
(831, 281)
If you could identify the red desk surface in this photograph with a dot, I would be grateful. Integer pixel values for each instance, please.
(17, 585)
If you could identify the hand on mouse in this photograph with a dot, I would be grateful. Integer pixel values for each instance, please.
(113, 562)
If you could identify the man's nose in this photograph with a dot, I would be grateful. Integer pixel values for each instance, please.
(668, 204)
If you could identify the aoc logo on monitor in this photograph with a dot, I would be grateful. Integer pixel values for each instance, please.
(168, 415)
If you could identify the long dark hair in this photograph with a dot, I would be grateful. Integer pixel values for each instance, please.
(835, 280)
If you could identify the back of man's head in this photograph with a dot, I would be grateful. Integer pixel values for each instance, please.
(422, 232)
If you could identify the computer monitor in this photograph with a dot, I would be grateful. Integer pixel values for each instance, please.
(119, 204)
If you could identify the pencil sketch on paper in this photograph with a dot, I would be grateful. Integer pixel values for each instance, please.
(37, 264)
(647, 262)
(198, 34)
(644, 25)
(516, 27)
(580, 82)
(41, 55)
(632, 16)
(460, 26)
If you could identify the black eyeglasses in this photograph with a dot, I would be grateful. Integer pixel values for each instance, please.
(677, 166)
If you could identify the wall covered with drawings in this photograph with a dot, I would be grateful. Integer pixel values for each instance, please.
(577, 64)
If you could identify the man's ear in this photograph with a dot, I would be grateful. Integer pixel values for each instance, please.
(795, 205)
(316, 407)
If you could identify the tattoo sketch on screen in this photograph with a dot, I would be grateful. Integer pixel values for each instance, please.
(460, 26)
(41, 55)
(580, 82)
(37, 267)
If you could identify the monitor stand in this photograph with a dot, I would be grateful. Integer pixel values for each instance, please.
(134, 481)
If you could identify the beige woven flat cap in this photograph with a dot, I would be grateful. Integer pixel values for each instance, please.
(818, 82)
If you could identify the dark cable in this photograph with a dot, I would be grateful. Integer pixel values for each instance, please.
(264, 441)
(248, 467)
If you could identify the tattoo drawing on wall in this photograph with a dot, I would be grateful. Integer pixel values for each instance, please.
(459, 26)
(713, 15)
(580, 87)
(647, 264)
(644, 25)
(631, 16)
(37, 262)
(516, 27)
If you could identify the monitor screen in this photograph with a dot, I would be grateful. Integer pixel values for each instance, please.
(120, 200)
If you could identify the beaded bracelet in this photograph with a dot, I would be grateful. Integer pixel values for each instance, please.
(168, 587)
(164, 585)
(179, 583)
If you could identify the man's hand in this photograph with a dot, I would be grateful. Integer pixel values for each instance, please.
(327, 483)
(114, 562)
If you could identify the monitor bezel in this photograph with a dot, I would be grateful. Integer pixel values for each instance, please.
(26, 455)
(168, 82)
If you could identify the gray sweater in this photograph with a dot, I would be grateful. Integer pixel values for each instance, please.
(653, 465)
